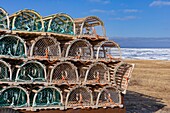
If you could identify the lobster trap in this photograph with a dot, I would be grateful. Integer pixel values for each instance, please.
(107, 50)
(26, 20)
(96, 73)
(79, 97)
(64, 73)
(108, 96)
(45, 47)
(113, 66)
(4, 19)
(48, 97)
(31, 72)
(59, 23)
(12, 46)
(123, 75)
(5, 72)
(90, 26)
(78, 49)
(14, 96)
(79, 59)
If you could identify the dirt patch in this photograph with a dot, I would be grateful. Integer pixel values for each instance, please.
(149, 88)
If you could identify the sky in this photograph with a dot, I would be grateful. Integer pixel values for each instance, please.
(122, 18)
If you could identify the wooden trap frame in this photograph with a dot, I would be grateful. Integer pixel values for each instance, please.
(64, 73)
(122, 75)
(107, 50)
(78, 49)
(59, 23)
(90, 27)
(48, 97)
(5, 72)
(108, 96)
(12, 46)
(79, 97)
(45, 47)
(14, 97)
(96, 73)
(4, 19)
(26, 20)
(31, 72)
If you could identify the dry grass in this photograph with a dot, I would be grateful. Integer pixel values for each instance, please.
(152, 78)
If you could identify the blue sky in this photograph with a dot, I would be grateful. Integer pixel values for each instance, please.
(122, 18)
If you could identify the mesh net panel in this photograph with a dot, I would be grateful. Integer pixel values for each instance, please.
(109, 95)
(14, 97)
(93, 31)
(79, 97)
(95, 95)
(12, 46)
(27, 21)
(46, 44)
(3, 19)
(62, 25)
(47, 97)
(4, 72)
(31, 72)
(64, 73)
(97, 74)
(109, 50)
(81, 49)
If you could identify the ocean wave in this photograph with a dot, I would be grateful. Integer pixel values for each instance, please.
(146, 53)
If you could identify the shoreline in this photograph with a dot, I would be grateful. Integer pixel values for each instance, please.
(145, 53)
(130, 60)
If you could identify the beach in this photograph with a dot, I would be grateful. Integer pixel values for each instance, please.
(149, 87)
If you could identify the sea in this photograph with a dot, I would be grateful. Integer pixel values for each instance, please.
(150, 48)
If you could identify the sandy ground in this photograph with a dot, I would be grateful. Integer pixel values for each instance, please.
(149, 88)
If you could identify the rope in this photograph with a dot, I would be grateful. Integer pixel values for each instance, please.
(98, 78)
(47, 57)
(81, 100)
(111, 57)
(64, 79)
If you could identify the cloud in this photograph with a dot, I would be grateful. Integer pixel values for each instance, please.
(98, 11)
(131, 10)
(125, 18)
(103, 11)
(159, 3)
(100, 1)
(115, 11)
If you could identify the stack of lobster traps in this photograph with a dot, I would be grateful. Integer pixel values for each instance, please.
(57, 62)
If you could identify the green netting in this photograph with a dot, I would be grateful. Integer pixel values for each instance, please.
(14, 97)
(27, 21)
(46, 23)
(12, 46)
(3, 19)
(61, 25)
(47, 97)
(31, 72)
(4, 72)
